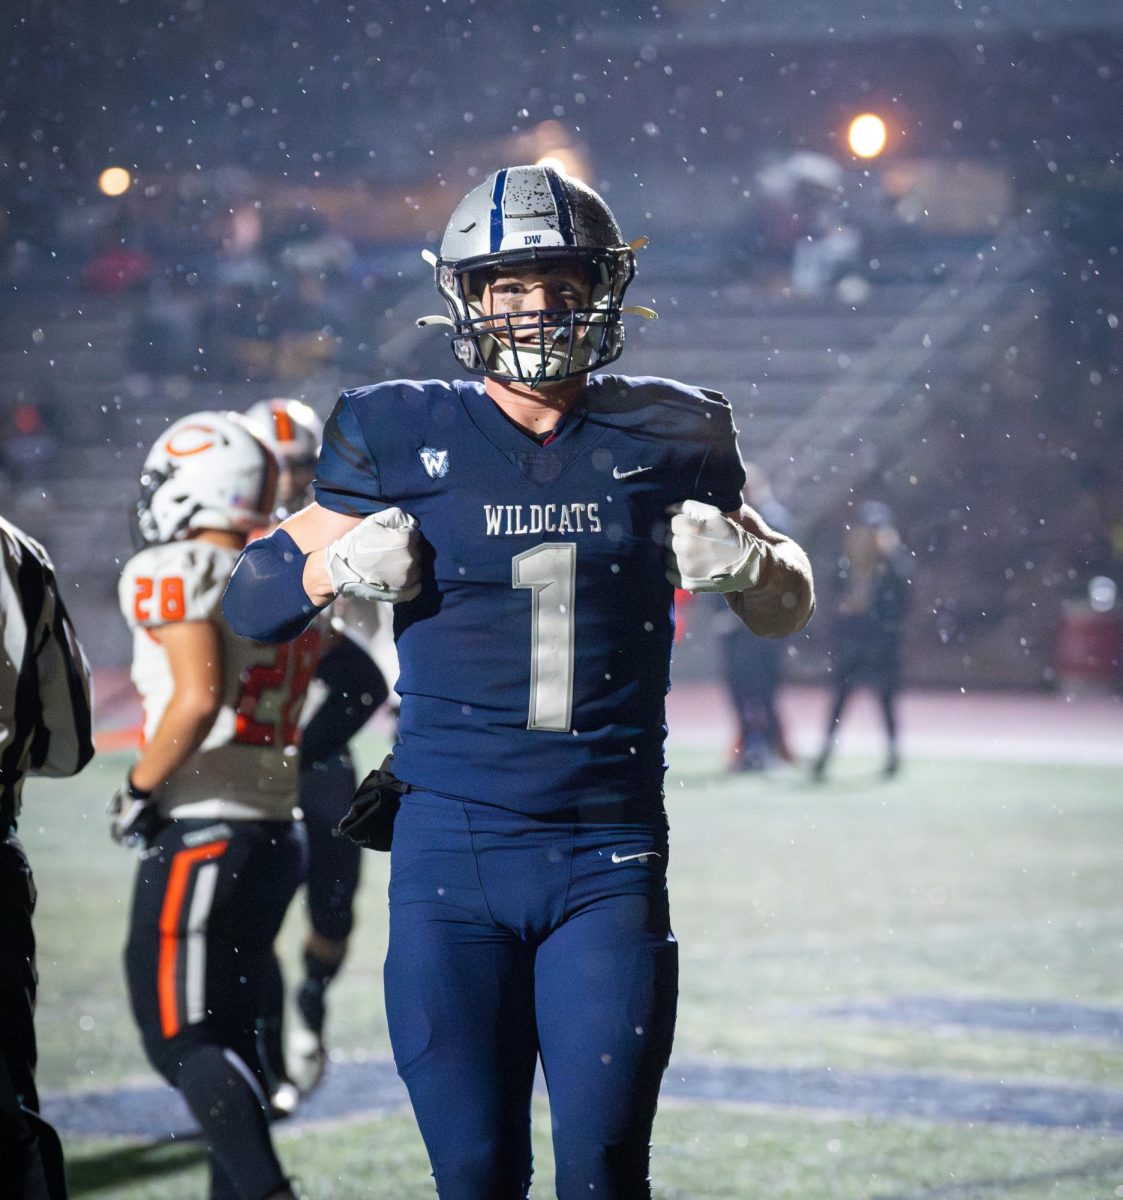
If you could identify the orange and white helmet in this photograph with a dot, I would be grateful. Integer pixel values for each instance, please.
(209, 470)
(293, 432)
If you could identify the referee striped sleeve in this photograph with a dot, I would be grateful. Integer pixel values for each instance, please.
(64, 739)
(45, 704)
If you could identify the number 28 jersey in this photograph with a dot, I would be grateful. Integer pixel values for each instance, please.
(247, 767)
(536, 659)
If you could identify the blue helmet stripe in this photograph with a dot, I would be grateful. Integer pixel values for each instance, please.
(561, 203)
(497, 210)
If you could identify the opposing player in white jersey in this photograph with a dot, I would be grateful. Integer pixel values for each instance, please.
(347, 689)
(212, 795)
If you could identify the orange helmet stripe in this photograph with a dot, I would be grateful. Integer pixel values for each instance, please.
(283, 425)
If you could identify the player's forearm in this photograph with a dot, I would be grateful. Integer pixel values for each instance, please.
(784, 599)
(281, 581)
(182, 730)
(316, 578)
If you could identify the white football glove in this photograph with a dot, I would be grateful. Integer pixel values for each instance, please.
(379, 559)
(711, 553)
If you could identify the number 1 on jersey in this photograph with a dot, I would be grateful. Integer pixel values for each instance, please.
(550, 571)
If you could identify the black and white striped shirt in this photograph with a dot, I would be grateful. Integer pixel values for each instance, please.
(45, 720)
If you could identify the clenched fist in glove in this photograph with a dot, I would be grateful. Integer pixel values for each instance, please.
(379, 559)
(711, 553)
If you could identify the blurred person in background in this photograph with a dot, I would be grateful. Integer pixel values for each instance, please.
(45, 729)
(29, 438)
(234, 334)
(345, 691)
(305, 323)
(312, 248)
(545, 515)
(872, 591)
(120, 264)
(751, 666)
(211, 798)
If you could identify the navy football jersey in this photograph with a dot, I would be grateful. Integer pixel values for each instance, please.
(536, 660)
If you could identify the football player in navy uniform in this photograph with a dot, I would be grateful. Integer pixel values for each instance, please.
(529, 527)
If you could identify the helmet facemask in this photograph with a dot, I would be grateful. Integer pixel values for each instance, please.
(537, 346)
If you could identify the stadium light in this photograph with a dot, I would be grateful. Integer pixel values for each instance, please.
(114, 181)
(867, 135)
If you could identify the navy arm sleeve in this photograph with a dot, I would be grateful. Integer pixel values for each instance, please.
(355, 690)
(347, 474)
(265, 599)
(722, 475)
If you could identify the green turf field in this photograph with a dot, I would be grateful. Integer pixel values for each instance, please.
(809, 919)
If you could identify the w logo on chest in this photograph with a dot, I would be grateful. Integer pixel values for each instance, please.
(435, 462)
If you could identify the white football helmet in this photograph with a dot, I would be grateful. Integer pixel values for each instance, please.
(207, 471)
(524, 216)
(293, 432)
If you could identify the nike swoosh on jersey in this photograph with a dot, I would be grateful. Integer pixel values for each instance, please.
(619, 858)
(618, 474)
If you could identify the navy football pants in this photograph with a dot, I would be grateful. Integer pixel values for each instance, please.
(511, 938)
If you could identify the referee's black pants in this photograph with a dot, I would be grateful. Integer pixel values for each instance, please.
(30, 1153)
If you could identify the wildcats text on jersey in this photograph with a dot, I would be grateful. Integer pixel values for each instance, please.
(511, 520)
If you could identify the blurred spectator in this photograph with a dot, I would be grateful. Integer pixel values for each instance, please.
(829, 252)
(869, 620)
(235, 336)
(284, 337)
(119, 265)
(165, 334)
(315, 250)
(752, 666)
(304, 322)
(29, 222)
(807, 224)
(1092, 524)
(242, 262)
(28, 437)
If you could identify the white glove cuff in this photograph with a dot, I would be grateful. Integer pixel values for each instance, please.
(344, 578)
(744, 573)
